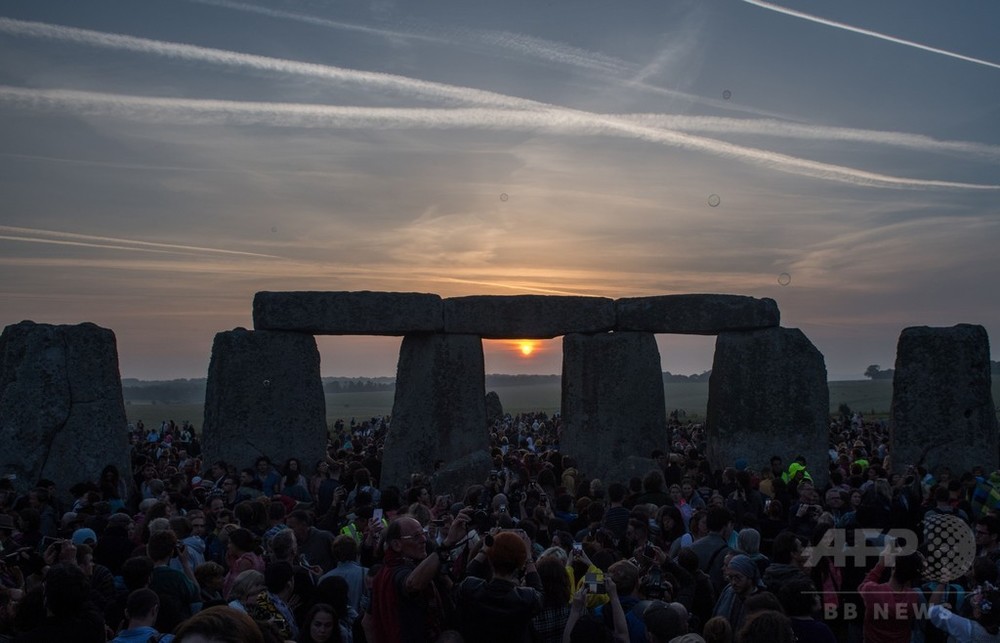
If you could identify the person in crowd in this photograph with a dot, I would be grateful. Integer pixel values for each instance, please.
(141, 610)
(211, 577)
(500, 609)
(320, 626)
(244, 553)
(313, 543)
(891, 606)
(177, 589)
(712, 548)
(787, 562)
(406, 601)
(245, 590)
(548, 625)
(345, 551)
(266, 476)
(982, 624)
(68, 614)
(743, 581)
(272, 604)
(801, 601)
(293, 482)
(768, 626)
(219, 624)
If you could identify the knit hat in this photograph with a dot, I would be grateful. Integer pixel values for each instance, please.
(85, 535)
(743, 565)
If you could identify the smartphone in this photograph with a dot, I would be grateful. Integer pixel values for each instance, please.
(49, 540)
(595, 582)
(577, 549)
(377, 514)
(503, 509)
(304, 562)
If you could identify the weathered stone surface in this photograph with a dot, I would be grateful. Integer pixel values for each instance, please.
(264, 396)
(439, 414)
(612, 402)
(62, 416)
(527, 316)
(941, 400)
(696, 314)
(456, 476)
(348, 313)
(494, 409)
(767, 395)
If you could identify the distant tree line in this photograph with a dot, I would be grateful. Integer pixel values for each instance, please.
(361, 385)
(164, 392)
(875, 373)
(670, 378)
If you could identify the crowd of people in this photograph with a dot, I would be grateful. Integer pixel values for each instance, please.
(771, 548)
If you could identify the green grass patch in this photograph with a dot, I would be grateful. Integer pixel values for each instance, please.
(861, 395)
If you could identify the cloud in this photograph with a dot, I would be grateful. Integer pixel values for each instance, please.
(549, 119)
(868, 32)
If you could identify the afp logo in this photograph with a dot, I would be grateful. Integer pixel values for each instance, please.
(949, 553)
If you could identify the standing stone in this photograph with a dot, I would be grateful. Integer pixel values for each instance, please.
(494, 409)
(439, 414)
(62, 416)
(612, 404)
(768, 395)
(942, 406)
(264, 396)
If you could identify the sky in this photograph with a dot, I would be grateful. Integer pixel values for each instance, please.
(162, 161)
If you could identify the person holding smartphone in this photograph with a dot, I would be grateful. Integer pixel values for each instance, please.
(500, 609)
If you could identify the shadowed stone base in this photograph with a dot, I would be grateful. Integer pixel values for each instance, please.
(612, 402)
(264, 396)
(768, 395)
(439, 413)
(941, 400)
(61, 411)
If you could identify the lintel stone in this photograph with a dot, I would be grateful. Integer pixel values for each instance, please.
(348, 313)
(527, 316)
(699, 314)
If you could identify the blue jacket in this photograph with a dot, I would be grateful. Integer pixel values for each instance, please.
(140, 635)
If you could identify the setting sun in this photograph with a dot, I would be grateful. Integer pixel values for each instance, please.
(527, 347)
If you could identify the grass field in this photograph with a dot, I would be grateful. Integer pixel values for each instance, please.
(863, 395)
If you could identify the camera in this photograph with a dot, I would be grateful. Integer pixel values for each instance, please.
(481, 519)
(653, 586)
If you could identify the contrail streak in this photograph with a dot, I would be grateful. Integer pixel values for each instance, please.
(72, 238)
(868, 32)
(782, 129)
(403, 84)
(321, 22)
(605, 67)
(550, 121)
